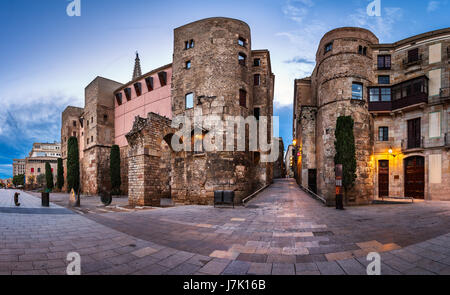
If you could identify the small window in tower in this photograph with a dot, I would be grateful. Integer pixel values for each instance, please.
(74, 123)
(242, 58)
(329, 47)
(365, 50)
(242, 98)
(256, 79)
(162, 78)
(357, 91)
(138, 88)
(257, 62)
(186, 45)
(384, 79)
(92, 119)
(191, 43)
(127, 93)
(92, 138)
(39, 170)
(188, 64)
(105, 118)
(241, 42)
(189, 99)
(256, 112)
(360, 49)
(149, 82)
(88, 141)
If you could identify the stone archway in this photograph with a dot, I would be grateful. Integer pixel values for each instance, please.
(149, 160)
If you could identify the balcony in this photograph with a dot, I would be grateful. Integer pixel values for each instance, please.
(447, 139)
(408, 146)
(409, 62)
(405, 94)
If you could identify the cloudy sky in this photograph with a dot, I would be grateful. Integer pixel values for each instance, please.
(47, 57)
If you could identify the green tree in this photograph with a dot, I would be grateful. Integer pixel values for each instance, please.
(60, 174)
(19, 179)
(345, 151)
(49, 176)
(40, 179)
(114, 170)
(73, 165)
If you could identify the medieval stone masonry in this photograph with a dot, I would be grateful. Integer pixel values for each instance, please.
(214, 72)
(398, 97)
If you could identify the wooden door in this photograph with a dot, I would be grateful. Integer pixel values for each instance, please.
(415, 177)
(383, 178)
(312, 180)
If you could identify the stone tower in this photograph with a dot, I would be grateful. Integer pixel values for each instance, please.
(213, 61)
(340, 65)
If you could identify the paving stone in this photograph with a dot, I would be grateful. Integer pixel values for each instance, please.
(304, 267)
(329, 268)
(352, 267)
(215, 267)
(144, 252)
(184, 269)
(283, 269)
(237, 268)
(260, 269)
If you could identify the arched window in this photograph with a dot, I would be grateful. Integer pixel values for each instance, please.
(242, 98)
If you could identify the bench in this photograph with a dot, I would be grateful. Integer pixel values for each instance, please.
(223, 198)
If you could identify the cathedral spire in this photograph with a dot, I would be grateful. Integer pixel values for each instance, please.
(137, 67)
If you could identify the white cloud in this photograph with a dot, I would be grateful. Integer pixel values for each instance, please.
(297, 10)
(432, 6)
(382, 26)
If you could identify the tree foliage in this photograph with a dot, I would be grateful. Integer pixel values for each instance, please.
(60, 174)
(345, 150)
(73, 165)
(114, 167)
(49, 176)
(19, 179)
(40, 179)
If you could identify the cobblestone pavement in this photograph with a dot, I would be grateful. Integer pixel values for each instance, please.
(282, 231)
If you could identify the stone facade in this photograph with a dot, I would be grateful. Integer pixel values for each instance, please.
(214, 61)
(351, 56)
(279, 168)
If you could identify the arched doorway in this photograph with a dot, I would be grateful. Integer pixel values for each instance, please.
(415, 177)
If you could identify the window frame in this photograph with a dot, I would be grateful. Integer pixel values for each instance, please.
(256, 79)
(243, 98)
(385, 58)
(242, 59)
(362, 90)
(190, 94)
(384, 132)
(384, 76)
(328, 47)
(256, 62)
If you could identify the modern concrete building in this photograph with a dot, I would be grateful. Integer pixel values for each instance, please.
(18, 166)
(398, 97)
(40, 154)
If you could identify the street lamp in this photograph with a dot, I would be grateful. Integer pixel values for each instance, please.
(391, 152)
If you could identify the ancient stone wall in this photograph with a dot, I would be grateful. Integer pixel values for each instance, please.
(337, 70)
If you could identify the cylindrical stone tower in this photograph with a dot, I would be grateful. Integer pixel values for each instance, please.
(212, 75)
(344, 62)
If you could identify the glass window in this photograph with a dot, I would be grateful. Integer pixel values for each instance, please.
(329, 47)
(189, 100)
(374, 94)
(242, 58)
(385, 94)
(243, 98)
(257, 62)
(357, 91)
(256, 79)
(188, 64)
(384, 80)
(383, 134)
(241, 41)
(384, 62)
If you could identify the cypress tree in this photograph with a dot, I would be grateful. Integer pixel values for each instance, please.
(60, 174)
(345, 150)
(49, 176)
(73, 165)
(114, 167)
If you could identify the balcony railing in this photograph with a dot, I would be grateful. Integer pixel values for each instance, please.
(407, 62)
(447, 139)
(410, 100)
(406, 147)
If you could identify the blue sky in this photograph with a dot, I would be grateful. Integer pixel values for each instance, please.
(47, 57)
